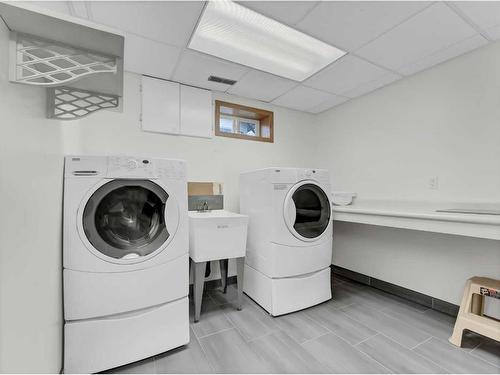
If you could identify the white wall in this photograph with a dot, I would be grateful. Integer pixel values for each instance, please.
(30, 228)
(443, 122)
(431, 263)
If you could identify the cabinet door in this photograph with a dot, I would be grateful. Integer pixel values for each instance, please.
(196, 112)
(160, 106)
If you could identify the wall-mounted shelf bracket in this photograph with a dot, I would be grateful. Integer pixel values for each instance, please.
(36, 61)
(67, 103)
(79, 62)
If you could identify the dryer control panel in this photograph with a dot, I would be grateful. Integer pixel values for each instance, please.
(319, 175)
(293, 175)
(131, 167)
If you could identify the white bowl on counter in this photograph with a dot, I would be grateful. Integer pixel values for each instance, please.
(342, 198)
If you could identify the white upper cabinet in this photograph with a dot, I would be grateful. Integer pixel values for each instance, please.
(196, 112)
(160, 106)
(172, 108)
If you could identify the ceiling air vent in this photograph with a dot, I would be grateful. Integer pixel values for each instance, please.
(225, 81)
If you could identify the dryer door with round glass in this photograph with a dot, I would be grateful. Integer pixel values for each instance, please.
(129, 219)
(307, 211)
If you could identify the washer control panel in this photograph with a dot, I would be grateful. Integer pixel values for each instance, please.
(84, 166)
(126, 166)
(172, 169)
(139, 167)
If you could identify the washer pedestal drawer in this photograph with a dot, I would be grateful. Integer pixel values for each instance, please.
(284, 295)
(97, 294)
(95, 345)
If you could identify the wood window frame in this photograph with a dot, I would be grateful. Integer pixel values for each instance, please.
(266, 118)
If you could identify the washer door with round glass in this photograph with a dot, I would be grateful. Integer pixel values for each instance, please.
(307, 211)
(129, 220)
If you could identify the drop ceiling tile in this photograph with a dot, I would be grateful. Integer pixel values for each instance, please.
(303, 98)
(194, 68)
(435, 28)
(261, 86)
(169, 22)
(350, 24)
(56, 6)
(329, 104)
(148, 57)
(288, 12)
(370, 86)
(347, 74)
(452, 51)
(79, 8)
(485, 14)
(493, 32)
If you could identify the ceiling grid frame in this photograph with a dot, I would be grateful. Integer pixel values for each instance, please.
(467, 19)
(450, 5)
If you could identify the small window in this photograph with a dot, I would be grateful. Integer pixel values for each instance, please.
(237, 121)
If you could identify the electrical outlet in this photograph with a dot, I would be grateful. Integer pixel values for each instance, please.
(434, 183)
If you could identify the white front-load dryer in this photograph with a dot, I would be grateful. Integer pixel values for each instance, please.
(125, 260)
(290, 236)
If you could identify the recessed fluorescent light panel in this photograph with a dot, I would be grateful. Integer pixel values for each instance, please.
(235, 33)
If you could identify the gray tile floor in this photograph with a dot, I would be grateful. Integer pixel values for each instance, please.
(361, 330)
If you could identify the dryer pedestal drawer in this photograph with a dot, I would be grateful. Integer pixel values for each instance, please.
(97, 294)
(284, 295)
(95, 345)
(276, 260)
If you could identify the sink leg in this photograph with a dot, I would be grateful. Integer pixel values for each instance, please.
(198, 283)
(223, 263)
(240, 268)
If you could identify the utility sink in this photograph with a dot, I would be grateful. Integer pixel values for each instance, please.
(217, 234)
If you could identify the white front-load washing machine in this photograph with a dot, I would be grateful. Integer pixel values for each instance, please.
(125, 260)
(289, 246)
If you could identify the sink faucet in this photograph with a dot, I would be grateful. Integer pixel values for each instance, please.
(203, 207)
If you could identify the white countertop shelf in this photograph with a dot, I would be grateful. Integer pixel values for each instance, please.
(422, 216)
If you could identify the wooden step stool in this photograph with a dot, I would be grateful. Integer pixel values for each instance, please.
(470, 316)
